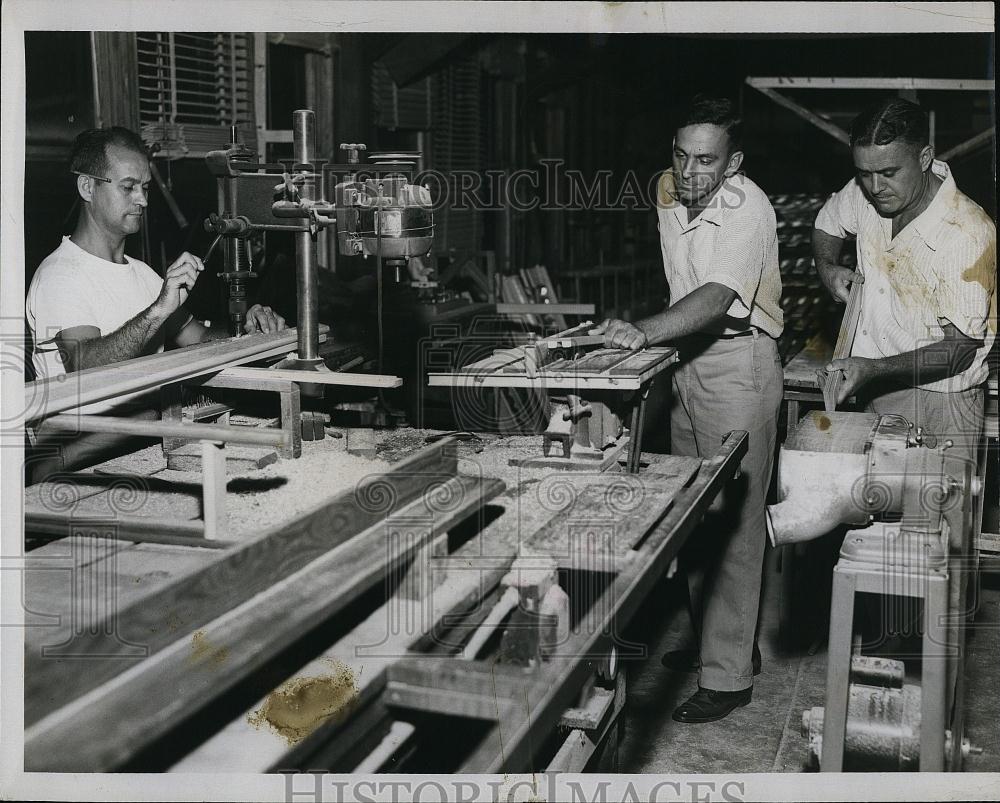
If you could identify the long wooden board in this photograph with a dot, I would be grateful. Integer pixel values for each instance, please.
(222, 433)
(142, 704)
(126, 528)
(45, 397)
(312, 377)
(193, 599)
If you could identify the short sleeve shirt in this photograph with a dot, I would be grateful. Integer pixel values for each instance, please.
(72, 287)
(733, 242)
(940, 267)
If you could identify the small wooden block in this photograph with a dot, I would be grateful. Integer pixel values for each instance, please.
(361, 441)
(592, 714)
(238, 458)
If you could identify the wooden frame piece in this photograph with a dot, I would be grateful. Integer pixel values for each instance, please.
(46, 397)
(767, 86)
(236, 575)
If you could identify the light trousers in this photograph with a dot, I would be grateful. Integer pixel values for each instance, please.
(719, 386)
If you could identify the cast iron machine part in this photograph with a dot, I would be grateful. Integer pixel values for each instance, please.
(380, 213)
(854, 468)
(251, 202)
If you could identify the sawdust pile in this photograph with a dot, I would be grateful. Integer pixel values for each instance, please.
(299, 705)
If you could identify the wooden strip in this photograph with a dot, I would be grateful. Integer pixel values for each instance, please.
(644, 360)
(602, 360)
(145, 702)
(222, 433)
(834, 131)
(45, 397)
(849, 323)
(313, 377)
(213, 467)
(839, 82)
(545, 309)
(154, 531)
(831, 382)
(208, 591)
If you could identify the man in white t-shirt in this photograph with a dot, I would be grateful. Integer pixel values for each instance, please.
(927, 259)
(89, 304)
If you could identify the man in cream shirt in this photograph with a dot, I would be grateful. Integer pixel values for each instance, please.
(926, 256)
(718, 237)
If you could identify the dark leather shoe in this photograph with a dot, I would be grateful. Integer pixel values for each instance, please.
(688, 660)
(708, 705)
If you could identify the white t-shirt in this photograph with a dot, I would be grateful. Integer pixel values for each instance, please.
(72, 287)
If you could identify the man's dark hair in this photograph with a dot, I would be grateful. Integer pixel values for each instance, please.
(890, 120)
(90, 149)
(717, 111)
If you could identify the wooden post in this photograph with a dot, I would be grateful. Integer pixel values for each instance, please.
(291, 416)
(171, 404)
(213, 466)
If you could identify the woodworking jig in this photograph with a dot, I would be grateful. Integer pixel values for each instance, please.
(592, 390)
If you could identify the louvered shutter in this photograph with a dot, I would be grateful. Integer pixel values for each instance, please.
(457, 145)
(192, 88)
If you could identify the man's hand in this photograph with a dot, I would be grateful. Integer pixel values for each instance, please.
(177, 284)
(838, 280)
(858, 371)
(263, 319)
(620, 334)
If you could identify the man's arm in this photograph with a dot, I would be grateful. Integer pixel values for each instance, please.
(929, 363)
(83, 346)
(259, 319)
(835, 277)
(699, 310)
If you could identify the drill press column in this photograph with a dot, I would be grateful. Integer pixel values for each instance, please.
(303, 128)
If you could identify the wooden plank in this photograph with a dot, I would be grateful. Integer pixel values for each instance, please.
(972, 143)
(249, 568)
(848, 82)
(45, 397)
(238, 458)
(313, 377)
(125, 528)
(222, 433)
(545, 309)
(145, 702)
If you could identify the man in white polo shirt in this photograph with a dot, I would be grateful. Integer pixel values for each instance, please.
(90, 305)
(719, 243)
(926, 255)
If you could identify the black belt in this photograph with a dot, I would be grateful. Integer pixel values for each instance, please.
(706, 335)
